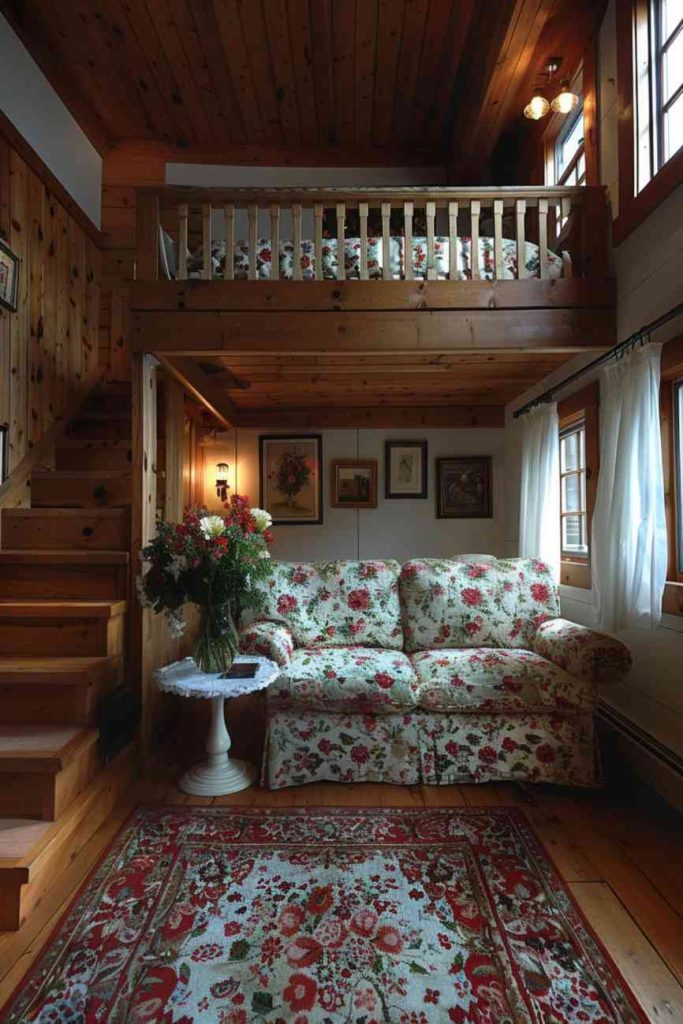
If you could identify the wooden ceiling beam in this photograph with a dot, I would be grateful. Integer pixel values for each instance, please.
(378, 417)
(213, 333)
(201, 387)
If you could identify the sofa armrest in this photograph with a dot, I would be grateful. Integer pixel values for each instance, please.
(582, 652)
(269, 639)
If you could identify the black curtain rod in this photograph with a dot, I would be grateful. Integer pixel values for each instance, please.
(546, 396)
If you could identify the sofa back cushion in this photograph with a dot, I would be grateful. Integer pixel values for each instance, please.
(451, 604)
(330, 604)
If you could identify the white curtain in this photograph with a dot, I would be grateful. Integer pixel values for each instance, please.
(539, 506)
(628, 541)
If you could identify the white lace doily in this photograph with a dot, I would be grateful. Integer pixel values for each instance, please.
(184, 678)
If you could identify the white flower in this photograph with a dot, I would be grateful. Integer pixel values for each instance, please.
(265, 553)
(177, 565)
(176, 624)
(262, 519)
(212, 526)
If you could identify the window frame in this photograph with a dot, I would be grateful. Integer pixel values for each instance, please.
(671, 379)
(636, 200)
(576, 426)
(566, 130)
(582, 407)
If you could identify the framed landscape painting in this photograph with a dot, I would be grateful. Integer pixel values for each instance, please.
(405, 471)
(291, 478)
(463, 487)
(354, 483)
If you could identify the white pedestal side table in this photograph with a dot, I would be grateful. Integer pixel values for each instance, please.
(219, 774)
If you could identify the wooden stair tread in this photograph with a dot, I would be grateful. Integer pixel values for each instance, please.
(65, 513)
(79, 474)
(57, 670)
(18, 836)
(78, 556)
(61, 609)
(42, 748)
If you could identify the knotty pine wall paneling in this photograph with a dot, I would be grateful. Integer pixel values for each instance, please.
(48, 348)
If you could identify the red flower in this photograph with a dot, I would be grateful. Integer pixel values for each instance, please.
(474, 626)
(363, 923)
(487, 754)
(290, 919)
(389, 939)
(384, 680)
(301, 992)
(286, 603)
(324, 746)
(359, 600)
(359, 753)
(545, 753)
(304, 951)
(540, 592)
(452, 748)
(471, 596)
(509, 745)
(320, 899)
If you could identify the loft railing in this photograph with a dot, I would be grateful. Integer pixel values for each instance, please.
(569, 223)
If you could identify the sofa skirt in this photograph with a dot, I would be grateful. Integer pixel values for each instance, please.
(428, 747)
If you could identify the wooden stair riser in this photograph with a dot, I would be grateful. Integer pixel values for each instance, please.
(22, 888)
(92, 428)
(80, 492)
(51, 529)
(65, 581)
(117, 403)
(26, 636)
(61, 698)
(116, 455)
(46, 795)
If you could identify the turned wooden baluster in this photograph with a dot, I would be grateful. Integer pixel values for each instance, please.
(408, 211)
(341, 248)
(229, 219)
(520, 209)
(252, 220)
(453, 241)
(318, 213)
(386, 241)
(363, 223)
(296, 241)
(275, 241)
(475, 210)
(543, 238)
(207, 263)
(183, 215)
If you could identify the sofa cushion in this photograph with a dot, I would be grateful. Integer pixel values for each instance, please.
(362, 679)
(445, 603)
(496, 680)
(336, 603)
(451, 604)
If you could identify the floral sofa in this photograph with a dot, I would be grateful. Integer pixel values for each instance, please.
(437, 671)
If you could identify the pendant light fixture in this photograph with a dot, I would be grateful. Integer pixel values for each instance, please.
(566, 100)
(537, 107)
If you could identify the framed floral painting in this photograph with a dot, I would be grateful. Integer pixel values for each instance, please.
(291, 478)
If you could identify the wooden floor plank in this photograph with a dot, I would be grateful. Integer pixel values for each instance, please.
(652, 983)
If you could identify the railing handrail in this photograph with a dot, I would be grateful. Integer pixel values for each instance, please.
(351, 195)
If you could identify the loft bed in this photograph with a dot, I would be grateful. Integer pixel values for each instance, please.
(247, 274)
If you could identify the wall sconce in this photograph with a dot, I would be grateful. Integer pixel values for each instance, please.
(222, 487)
(566, 100)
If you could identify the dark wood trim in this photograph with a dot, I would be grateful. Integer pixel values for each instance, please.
(210, 333)
(376, 416)
(672, 370)
(635, 208)
(200, 386)
(591, 116)
(338, 296)
(17, 141)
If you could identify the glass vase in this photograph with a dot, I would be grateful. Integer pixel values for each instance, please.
(217, 641)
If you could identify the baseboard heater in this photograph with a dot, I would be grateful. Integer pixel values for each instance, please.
(644, 739)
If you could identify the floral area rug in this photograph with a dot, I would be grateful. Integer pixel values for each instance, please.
(321, 917)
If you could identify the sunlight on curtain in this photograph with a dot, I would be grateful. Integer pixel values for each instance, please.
(539, 507)
(629, 528)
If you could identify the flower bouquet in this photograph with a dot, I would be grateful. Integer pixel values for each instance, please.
(215, 562)
(292, 472)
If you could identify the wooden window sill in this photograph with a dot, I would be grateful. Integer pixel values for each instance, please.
(672, 602)
(634, 210)
(575, 574)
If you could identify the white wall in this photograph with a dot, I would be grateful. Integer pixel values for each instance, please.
(28, 100)
(397, 528)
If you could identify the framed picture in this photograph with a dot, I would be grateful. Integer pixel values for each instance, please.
(354, 483)
(291, 478)
(463, 487)
(405, 471)
(9, 277)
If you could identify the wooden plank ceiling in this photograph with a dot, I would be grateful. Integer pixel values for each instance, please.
(412, 80)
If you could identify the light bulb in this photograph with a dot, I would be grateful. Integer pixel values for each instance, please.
(537, 107)
(566, 100)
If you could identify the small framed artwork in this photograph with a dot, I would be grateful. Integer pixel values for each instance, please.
(405, 471)
(9, 277)
(354, 483)
(463, 487)
(290, 470)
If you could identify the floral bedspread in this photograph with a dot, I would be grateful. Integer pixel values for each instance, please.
(420, 259)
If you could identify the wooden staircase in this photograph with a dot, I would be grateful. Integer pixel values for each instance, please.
(64, 584)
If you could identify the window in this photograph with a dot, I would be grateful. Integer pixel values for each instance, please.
(678, 472)
(650, 107)
(573, 510)
(570, 158)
